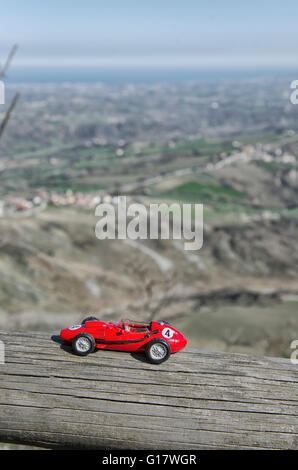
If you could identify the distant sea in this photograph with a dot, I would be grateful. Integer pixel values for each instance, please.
(123, 75)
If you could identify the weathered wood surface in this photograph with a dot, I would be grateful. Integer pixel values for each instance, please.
(113, 400)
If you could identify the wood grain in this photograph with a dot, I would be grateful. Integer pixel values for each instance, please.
(112, 400)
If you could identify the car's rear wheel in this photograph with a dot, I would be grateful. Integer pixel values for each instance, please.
(89, 319)
(83, 344)
(158, 351)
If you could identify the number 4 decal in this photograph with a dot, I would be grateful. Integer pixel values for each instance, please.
(167, 333)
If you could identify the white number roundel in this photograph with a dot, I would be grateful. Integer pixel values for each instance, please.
(167, 333)
(75, 327)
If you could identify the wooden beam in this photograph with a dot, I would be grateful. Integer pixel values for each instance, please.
(8, 114)
(112, 400)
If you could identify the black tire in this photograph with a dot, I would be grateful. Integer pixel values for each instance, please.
(152, 353)
(83, 344)
(89, 319)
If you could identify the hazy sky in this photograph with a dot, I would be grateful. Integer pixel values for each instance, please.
(151, 32)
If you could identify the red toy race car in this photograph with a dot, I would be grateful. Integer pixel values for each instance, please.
(156, 339)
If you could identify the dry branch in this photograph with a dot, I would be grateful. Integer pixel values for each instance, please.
(17, 95)
(8, 61)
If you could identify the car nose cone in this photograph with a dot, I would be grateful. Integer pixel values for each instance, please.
(183, 341)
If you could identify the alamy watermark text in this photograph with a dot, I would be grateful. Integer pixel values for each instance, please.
(137, 221)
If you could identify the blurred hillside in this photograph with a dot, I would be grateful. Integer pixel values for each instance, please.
(232, 147)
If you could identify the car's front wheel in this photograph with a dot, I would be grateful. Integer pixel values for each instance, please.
(158, 351)
(83, 344)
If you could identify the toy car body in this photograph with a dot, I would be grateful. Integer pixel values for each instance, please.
(156, 339)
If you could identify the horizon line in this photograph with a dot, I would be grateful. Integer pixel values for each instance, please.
(264, 61)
